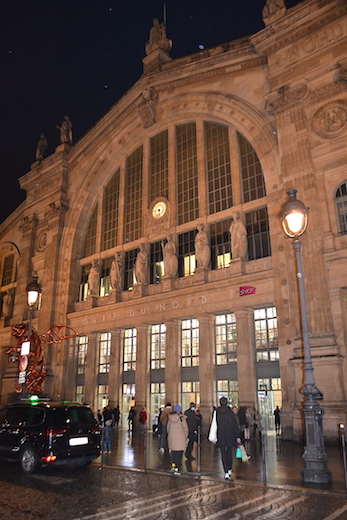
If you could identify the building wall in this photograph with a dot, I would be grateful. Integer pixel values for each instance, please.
(284, 90)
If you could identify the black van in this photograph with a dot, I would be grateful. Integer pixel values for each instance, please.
(41, 433)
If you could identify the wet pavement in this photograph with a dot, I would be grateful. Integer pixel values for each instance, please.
(134, 482)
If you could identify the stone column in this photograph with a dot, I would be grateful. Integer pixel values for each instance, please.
(246, 373)
(114, 376)
(91, 375)
(207, 376)
(142, 368)
(173, 362)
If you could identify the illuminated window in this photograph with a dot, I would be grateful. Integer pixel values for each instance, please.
(83, 288)
(79, 394)
(341, 207)
(90, 240)
(102, 397)
(190, 394)
(129, 270)
(186, 253)
(220, 244)
(225, 339)
(133, 198)
(158, 169)
(187, 173)
(230, 390)
(266, 336)
(104, 352)
(105, 276)
(158, 346)
(156, 263)
(217, 158)
(82, 348)
(190, 343)
(129, 350)
(258, 234)
(110, 212)
(253, 185)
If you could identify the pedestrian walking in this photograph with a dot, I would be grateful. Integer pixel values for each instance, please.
(193, 430)
(131, 419)
(241, 414)
(107, 436)
(257, 424)
(143, 419)
(228, 435)
(163, 424)
(177, 430)
(277, 414)
(116, 416)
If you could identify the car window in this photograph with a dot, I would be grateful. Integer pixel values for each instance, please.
(71, 415)
(37, 416)
(3, 414)
(20, 416)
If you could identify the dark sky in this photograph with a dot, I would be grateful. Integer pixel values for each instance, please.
(78, 57)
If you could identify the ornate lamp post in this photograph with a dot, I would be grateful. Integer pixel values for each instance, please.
(294, 218)
(33, 290)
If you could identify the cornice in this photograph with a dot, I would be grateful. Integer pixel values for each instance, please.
(295, 35)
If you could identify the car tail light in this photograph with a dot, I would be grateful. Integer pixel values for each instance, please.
(49, 458)
(96, 429)
(54, 432)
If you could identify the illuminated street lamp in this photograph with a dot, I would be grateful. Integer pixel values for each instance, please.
(294, 217)
(33, 291)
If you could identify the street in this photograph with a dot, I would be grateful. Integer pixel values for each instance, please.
(105, 493)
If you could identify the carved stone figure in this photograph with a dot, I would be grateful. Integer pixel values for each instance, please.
(116, 272)
(66, 131)
(93, 279)
(202, 248)
(273, 10)
(6, 304)
(141, 265)
(146, 107)
(157, 38)
(170, 256)
(41, 148)
(238, 235)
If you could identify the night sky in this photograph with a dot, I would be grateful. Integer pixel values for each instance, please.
(78, 57)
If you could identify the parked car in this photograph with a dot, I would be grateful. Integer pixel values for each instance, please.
(42, 433)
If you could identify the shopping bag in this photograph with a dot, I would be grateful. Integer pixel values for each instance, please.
(244, 456)
(212, 436)
(238, 453)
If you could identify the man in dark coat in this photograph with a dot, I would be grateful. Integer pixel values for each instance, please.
(228, 435)
(193, 429)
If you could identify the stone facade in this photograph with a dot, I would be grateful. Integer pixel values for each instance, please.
(280, 95)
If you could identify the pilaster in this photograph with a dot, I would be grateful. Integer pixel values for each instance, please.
(173, 362)
(207, 375)
(246, 373)
(91, 376)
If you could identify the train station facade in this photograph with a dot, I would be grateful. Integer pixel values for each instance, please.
(196, 144)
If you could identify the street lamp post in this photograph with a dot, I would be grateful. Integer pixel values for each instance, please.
(294, 217)
(33, 290)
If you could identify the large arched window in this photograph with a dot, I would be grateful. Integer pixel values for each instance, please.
(202, 169)
(341, 207)
(9, 257)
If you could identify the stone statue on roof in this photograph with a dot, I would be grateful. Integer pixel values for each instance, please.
(66, 131)
(41, 148)
(157, 38)
(273, 11)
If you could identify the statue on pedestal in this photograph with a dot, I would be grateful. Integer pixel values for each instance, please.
(41, 148)
(116, 272)
(157, 38)
(141, 265)
(202, 248)
(238, 233)
(93, 279)
(170, 256)
(66, 131)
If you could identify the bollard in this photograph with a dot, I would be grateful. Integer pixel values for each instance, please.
(199, 449)
(145, 449)
(263, 457)
(343, 442)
